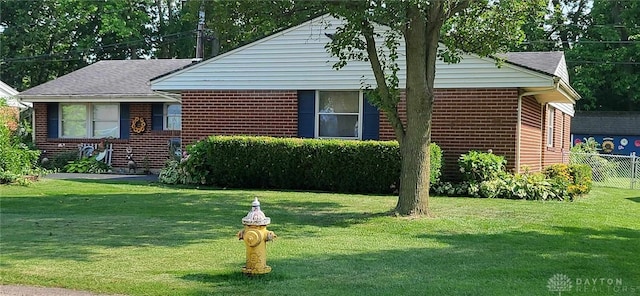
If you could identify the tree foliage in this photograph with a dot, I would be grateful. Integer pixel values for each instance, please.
(427, 30)
(606, 59)
(45, 39)
(601, 41)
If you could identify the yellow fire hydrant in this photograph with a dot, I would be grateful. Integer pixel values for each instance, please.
(256, 236)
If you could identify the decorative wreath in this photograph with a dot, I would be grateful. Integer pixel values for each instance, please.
(138, 125)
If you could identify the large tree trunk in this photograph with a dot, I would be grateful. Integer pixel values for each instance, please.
(421, 45)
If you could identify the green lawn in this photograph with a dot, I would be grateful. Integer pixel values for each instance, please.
(139, 239)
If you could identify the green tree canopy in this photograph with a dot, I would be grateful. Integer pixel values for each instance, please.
(44, 39)
(606, 59)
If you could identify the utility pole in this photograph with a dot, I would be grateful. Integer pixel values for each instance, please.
(200, 32)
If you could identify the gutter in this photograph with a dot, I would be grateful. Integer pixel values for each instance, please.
(556, 85)
(98, 98)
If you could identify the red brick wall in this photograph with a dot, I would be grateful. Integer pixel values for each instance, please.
(463, 120)
(531, 135)
(266, 113)
(470, 119)
(153, 144)
(561, 137)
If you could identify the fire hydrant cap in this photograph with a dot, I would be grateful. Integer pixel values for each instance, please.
(256, 216)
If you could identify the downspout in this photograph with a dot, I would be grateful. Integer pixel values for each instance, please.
(33, 125)
(519, 124)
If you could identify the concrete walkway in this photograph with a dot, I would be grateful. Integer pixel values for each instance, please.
(111, 177)
(41, 291)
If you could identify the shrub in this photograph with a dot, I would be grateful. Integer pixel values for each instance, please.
(450, 189)
(58, 161)
(435, 158)
(575, 179)
(478, 166)
(582, 179)
(308, 164)
(87, 165)
(16, 159)
(173, 173)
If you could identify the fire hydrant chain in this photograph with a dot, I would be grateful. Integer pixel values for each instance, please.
(256, 236)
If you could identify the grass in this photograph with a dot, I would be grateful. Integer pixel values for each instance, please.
(139, 239)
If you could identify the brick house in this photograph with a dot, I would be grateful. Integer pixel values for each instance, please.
(101, 101)
(284, 85)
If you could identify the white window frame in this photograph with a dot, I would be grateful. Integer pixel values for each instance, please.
(317, 114)
(551, 114)
(89, 120)
(165, 117)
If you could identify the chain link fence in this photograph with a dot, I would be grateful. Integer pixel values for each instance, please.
(620, 171)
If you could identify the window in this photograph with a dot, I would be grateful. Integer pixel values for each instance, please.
(338, 114)
(172, 117)
(89, 120)
(550, 123)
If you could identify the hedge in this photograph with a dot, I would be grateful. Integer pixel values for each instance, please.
(299, 164)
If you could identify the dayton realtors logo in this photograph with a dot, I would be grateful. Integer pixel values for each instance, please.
(562, 283)
(559, 283)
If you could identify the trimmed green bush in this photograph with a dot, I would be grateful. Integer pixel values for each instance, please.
(304, 164)
(435, 165)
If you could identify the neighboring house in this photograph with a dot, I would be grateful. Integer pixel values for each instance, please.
(108, 99)
(616, 132)
(8, 93)
(284, 85)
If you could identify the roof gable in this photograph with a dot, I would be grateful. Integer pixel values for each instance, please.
(8, 93)
(6, 90)
(297, 59)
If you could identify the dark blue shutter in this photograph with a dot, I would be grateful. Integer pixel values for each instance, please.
(370, 121)
(53, 117)
(124, 121)
(306, 113)
(157, 114)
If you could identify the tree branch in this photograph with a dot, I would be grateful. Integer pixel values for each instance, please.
(387, 104)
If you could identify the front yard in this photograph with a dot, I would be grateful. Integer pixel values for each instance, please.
(138, 239)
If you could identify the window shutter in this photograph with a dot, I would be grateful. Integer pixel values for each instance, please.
(157, 114)
(53, 117)
(125, 121)
(306, 113)
(370, 121)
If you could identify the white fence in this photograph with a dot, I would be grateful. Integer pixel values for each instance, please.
(620, 171)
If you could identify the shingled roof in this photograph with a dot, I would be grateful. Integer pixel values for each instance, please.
(107, 78)
(548, 62)
(606, 123)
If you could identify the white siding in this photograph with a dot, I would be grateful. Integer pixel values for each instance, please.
(564, 107)
(562, 71)
(297, 59)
